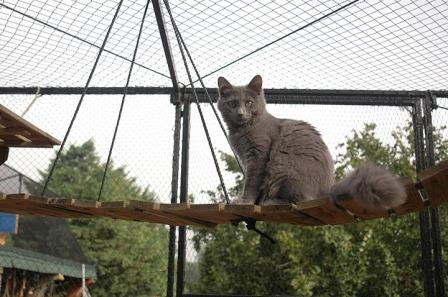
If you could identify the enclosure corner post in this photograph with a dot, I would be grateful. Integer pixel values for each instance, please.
(425, 234)
(181, 253)
(434, 212)
(174, 195)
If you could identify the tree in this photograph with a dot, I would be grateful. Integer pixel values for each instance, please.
(372, 258)
(130, 256)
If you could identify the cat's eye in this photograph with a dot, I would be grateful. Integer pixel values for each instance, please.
(249, 103)
(232, 104)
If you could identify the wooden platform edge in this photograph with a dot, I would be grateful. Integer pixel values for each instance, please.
(435, 183)
(26, 125)
(322, 211)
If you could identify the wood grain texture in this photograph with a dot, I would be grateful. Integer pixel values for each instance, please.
(322, 211)
(435, 183)
(17, 132)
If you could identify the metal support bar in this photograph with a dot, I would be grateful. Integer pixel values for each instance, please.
(20, 182)
(434, 212)
(174, 194)
(166, 47)
(425, 234)
(183, 197)
(331, 97)
(335, 92)
(90, 91)
(287, 96)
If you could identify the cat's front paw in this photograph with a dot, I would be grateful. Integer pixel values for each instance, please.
(241, 200)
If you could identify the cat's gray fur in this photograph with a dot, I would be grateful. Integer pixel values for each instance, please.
(286, 161)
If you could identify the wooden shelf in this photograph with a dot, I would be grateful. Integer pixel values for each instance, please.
(17, 132)
(322, 211)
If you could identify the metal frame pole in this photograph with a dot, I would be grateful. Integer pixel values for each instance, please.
(174, 194)
(175, 98)
(167, 49)
(20, 182)
(434, 212)
(181, 250)
(425, 234)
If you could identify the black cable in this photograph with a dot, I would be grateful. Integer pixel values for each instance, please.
(251, 225)
(250, 222)
(204, 124)
(203, 86)
(283, 37)
(80, 39)
(123, 100)
(442, 107)
(81, 99)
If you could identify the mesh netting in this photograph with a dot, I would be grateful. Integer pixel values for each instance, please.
(367, 45)
(319, 45)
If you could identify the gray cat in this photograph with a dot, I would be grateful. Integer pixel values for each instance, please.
(286, 161)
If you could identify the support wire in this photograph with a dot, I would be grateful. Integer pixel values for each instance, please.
(50, 174)
(205, 90)
(195, 95)
(123, 100)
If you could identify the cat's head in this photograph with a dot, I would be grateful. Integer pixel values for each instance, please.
(240, 106)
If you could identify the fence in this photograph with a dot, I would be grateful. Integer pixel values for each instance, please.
(321, 62)
(321, 108)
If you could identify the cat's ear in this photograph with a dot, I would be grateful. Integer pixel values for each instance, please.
(225, 88)
(256, 84)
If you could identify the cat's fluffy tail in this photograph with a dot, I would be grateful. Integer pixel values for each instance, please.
(372, 187)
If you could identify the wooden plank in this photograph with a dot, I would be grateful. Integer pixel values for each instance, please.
(244, 210)
(183, 212)
(435, 183)
(25, 133)
(41, 206)
(357, 210)
(22, 144)
(207, 215)
(32, 205)
(81, 208)
(214, 213)
(13, 131)
(288, 213)
(324, 210)
(414, 202)
(5, 206)
(23, 138)
(44, 206)
(149, 213)
(313, 212)
(119, 210)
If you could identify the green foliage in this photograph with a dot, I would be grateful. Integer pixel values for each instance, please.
(130, 256)
(372, 258)
(365, 145)
(79, 172)
(234, 261)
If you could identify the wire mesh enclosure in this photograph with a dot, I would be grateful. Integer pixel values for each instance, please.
(128, 87)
